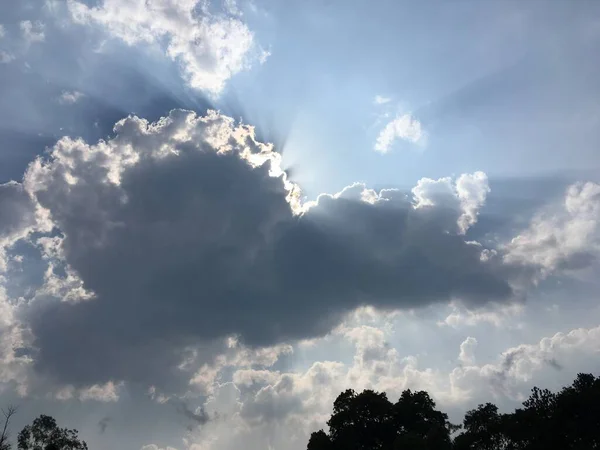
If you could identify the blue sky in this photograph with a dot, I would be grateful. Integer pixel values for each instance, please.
(237, 209)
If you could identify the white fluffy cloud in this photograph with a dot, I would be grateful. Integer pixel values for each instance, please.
(467, 351)
(405, 127)
(564, 237)
(210, 48)
(267, 408)
(468, 193)
(108, 392)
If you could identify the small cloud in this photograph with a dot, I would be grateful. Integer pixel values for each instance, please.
(263, 56)
(404, 127)
(70, 97)
(467, 351)
(33, 31)
(6, 57)
(380, 100)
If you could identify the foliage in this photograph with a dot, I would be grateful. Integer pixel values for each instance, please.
(44, 434)
(566, 420)
(369, 421)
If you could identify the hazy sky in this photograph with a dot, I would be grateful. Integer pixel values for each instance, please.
(216, 216)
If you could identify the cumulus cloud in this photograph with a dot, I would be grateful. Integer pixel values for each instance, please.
(467, 193)
(32, 31)
(174, 235)
(272, 408)
(405, 127)
(210, 48)
(467, 351)
(563, 237)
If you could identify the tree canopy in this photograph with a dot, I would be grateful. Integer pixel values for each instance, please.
(565, 420)
(45, 434)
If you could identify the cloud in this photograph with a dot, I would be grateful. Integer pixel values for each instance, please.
(498, 315)
(271, 408)
(468, 194)
(155, 447)
(13, 366)
(32, 31)
(380, 100)
(70, 97)
(472, 190)
(210, 48)
(467, 349)
(106, 393)
(563, 237)
(405, 127)
(181, 233)
(6, 57)
(17, 215)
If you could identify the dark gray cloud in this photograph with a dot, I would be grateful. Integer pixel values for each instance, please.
(182, 241)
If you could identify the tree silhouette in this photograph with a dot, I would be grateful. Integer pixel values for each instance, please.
(369, 421)
(565, 420)
(484, 430)
(44, 434)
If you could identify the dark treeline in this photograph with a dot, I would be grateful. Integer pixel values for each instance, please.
(565, 420)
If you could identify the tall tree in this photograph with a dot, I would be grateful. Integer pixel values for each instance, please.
(418, 424)
(45, 434)
(369, 421)
(483, 430)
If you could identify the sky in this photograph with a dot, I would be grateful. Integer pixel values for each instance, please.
(215, 216)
